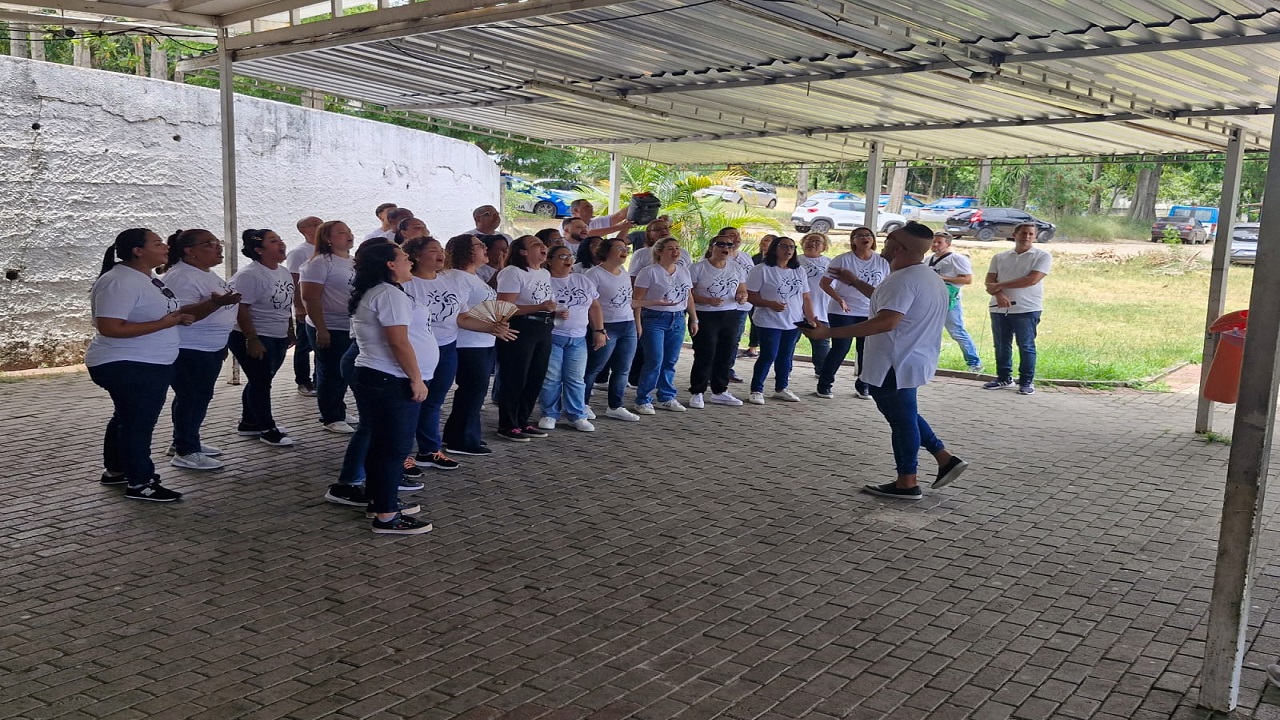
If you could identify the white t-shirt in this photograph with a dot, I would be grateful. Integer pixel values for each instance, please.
(192, 286)
(711, 281)
(643, 258)
(1010, 265)
(486, 272)
(599, 222)
(783, 284)
(573, 246)
(911, 348)
(336, 274)
(443, 299)
(532, 287)
(126, 294)
(672, 287)
(299, 255)
(383, 306)
(269, 295)
(471, 292)
(478, 231)
(816, 269)
(380, 233)
(872, 271)
(575, 292)
(614, 293)
(953, 264)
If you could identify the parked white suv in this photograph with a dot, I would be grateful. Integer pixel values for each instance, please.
(830, 214)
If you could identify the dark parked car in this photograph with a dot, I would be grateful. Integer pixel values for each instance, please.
(1189, 229)
(1244, 243)
(990, 223)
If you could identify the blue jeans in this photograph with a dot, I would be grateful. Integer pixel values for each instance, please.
(302, 357)
(137, 392)
(955, 328)
(777, 348)
(839, 351)
(194, 374)
(662, 337)
(428, 432)
(331, 387)
(386, 405)
(910, 432)
(255, 400)
(563, 383)
(1005, 327)
(821, 348)
(462, 429)
(616, 354)
(352, 472)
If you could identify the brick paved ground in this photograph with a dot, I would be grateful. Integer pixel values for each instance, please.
(713, 564)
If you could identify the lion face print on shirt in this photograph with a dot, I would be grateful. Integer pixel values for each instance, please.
(540, 291)
(793, 285)
(281, 295)
(723, 287)
(678, 293)
(572, 296)
(621, 298)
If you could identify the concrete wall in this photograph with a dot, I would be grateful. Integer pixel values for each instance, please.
(85, 154)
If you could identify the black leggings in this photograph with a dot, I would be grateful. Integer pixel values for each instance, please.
(522, 366)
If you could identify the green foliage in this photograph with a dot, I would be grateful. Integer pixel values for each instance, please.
(1171, 236)
(1101, 228)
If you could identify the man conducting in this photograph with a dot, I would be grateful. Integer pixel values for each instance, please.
(1017, 297)
(907, 313)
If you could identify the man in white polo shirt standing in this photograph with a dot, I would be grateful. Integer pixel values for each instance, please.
(1017, 297)
(908, 310)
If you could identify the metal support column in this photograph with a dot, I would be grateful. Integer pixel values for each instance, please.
(874, 169)
(227, 100)
(1247, 468)
(1227, 210)
(615, 178)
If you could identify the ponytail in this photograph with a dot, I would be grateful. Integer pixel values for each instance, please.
(122, 249)
(179, 241)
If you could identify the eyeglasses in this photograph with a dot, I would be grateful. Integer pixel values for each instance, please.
(167, 292)
(723, 244)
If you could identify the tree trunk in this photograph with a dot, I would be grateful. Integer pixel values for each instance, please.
(37, 42)
(984, 177)
(802, 184)
(83, 53)
(140, 56)
(1095, 190)
(18, 45)
(1024, 190)
(897, 186)
(933, 182)
(1145, 193)
(159, 62)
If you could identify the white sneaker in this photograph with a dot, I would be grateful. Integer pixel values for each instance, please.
(352, 419)
(209, 450)
(756, 399)
(195, 461)
(547, 423)
(824, 395)
(590, 414)
(645, 409)
(621, 413)
(725, 398)
(785, 395)
(338, 427)
(862, 395)
(583, 425)
(673, 405)
(695, 401)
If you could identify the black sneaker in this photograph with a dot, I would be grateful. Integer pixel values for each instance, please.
(1026, 389)
(950, 471)
(516, 435)
(401, 525)
(153, 492)
(997, 384)
(891, 490)
(275, 437)
(412, 471)
(404, 508)
(110, 478)
(409, 485)
(244, 429)
(482, 450)
(340, 494)
(437, 460)
(534, 432)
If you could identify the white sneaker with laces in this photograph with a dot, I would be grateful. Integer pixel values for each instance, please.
(195, 461)
(695, 401)
(209, 450)
(590, 414)
(673, 405)
(583, 425)
(645, 409)
(756, 399)
(547, 423)
(338, 427)
(785, 395)
(725, 398)
(621, 413)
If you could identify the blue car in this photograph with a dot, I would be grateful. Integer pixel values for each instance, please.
(547, 197)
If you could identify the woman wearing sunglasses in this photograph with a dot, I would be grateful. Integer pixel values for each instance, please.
(719, 291)
(779, 290)
(131, 357)
(578, 323)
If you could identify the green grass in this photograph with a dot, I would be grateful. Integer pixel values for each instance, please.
(1101, 228)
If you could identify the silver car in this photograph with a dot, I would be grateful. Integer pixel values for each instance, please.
(1244, 243)
(752, 192)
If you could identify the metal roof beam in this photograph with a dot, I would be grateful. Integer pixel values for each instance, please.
(265, 9)
(114, 10)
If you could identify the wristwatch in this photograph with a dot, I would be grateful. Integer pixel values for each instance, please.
(599, 330)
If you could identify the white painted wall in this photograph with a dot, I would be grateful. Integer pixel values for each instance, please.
(114, 151)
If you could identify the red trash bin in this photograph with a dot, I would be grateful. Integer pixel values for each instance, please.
(1223, 383)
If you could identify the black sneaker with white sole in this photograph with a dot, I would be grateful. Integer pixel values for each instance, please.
(110, 478)
(275, 437)
(244, 429)
(949, 472)
(340, 494)
(997, 384)
(437, 460)
(404, 508)
(401, 525)
(409, 485)
(412, 471)
(891, 490)
(152, 492)
(482, 450)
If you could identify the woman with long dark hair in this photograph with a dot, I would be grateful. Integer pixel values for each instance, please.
(522, 363)
(613, 287)
(436, 289)
(719, 293)
(131, 357)
(496, 249)
(661, 294)
(202, 345)
(263, 331)
(408, 229)
(326, 288)
(851, 278)
(397, 358)
(779, 290)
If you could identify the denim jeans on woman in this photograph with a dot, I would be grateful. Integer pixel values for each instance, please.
(386, 405)
(777, 348)
(428, 432)
(1005, 328)
(255, 399)
(562, 388)
(616, 354)
(909, 431)
(955, 328)
(661, 336)
(331, 387)
(352, 472)
(462, 430)
(715, 347)
(195, 373)
(137, 392)
(839, 351)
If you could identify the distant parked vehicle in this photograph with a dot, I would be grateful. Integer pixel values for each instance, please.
(748, 191)
(1244, 243)
(548, 197)
(939, 211)
(840, 214)
(987, 224)
(1206, 215)
(1189, 229)
(909, 203)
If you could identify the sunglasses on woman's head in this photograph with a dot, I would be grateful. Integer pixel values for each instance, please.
(723, 244)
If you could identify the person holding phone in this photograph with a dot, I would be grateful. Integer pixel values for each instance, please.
(779, 290)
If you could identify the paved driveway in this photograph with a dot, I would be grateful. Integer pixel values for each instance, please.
(718, 563)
